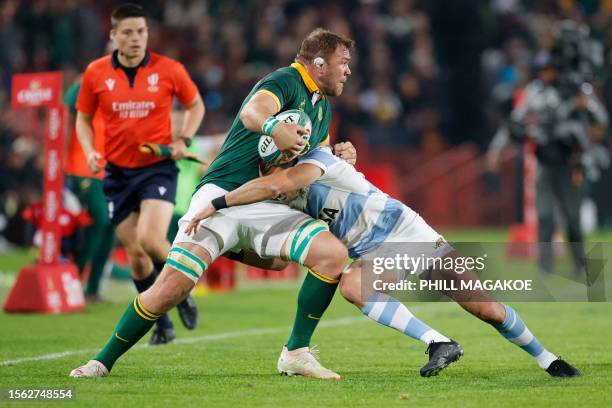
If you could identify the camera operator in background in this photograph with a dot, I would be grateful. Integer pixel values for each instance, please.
(583, 123)
(561, 114)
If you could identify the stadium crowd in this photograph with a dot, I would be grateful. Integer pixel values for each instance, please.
(426, 74)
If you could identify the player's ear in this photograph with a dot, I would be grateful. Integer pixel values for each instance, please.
(319, 62)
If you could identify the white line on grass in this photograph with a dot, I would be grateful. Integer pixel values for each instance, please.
(345, 321)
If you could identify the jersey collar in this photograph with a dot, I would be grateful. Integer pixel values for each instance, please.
(117, 64)
(309, 82)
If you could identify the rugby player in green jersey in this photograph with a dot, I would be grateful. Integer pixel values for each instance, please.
(264, 230)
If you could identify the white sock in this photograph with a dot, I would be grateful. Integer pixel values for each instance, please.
(390, 312)
(545, 359)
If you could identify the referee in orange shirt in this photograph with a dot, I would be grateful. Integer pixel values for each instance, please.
(133, 90)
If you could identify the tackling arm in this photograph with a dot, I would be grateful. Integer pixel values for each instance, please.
(268, 187)
(263, 188)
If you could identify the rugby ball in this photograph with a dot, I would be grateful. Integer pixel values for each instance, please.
(268, 151)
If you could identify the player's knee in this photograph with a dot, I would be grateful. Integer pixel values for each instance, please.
(350, 291)
(151, 245)
(339, 256)
(333, 255)
(134, 250)
(139, 260)
(170, 288)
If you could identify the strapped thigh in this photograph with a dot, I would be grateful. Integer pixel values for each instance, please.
(186, 262)
(300, 238)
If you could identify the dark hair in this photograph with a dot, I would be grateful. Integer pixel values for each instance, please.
(322, 43)
(127, 10)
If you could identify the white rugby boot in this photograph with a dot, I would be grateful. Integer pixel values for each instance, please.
(93, 368)
(303, 361)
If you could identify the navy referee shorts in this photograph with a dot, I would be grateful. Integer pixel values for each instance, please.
(125, 188)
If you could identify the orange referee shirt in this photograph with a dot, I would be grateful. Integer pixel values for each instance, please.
(134, 110)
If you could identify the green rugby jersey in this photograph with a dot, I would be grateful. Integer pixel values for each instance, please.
(292, 88)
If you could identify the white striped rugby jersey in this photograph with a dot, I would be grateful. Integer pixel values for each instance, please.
(358, 213)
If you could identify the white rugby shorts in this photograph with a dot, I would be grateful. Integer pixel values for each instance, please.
(261, 227)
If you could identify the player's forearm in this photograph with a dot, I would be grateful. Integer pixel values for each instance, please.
(193, 118)
(85, 132)
(252, 192)
(273, 185)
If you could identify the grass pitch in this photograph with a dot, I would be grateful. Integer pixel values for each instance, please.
(230, 359)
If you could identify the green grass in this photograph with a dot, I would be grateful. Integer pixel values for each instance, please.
(379, 366)
(230, 358)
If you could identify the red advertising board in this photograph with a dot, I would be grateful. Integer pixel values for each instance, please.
(52, 187)
(36, 90)
(50, 285)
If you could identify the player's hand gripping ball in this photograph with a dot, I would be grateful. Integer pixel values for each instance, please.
(268, 151)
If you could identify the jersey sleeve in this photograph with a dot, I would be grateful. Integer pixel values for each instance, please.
(322, 157)
(87, 101)
(184, 88)
(280, 86)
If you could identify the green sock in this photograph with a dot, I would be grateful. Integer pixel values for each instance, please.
(315, 295)
(135, 323)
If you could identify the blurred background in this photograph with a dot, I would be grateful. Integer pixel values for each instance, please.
(432, 83)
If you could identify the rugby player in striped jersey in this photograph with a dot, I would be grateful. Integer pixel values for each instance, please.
(364, 218)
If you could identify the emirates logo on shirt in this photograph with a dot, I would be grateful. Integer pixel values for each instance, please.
(152, 80)
(133, 109)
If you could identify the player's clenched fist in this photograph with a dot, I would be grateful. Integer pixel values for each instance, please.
(288, 137)
(93, 161)
(346, 151)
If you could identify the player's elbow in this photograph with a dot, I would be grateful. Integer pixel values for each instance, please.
(83, 118)
(247, 115)
(279, 183)
(274, 189)
(198, 107)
